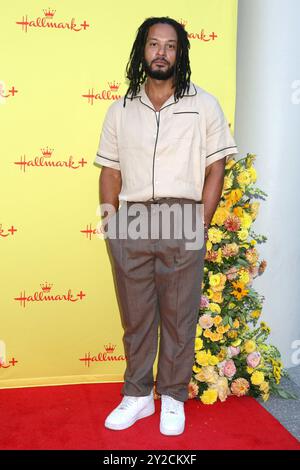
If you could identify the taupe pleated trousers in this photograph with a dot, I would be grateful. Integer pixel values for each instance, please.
(158, 283)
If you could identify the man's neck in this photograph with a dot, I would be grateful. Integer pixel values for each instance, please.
(159, 89)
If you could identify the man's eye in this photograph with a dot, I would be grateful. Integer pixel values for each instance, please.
(153, 43)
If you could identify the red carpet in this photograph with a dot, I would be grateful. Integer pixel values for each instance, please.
(72, 416)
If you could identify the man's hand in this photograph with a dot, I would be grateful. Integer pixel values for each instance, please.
(212, 190)
(110, 183)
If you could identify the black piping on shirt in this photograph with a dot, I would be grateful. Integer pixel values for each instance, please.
(225, 148)
(106, 158)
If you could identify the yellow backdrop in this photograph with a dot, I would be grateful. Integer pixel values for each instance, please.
(59, 315)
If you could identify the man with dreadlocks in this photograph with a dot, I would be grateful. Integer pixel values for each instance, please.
(163, 145)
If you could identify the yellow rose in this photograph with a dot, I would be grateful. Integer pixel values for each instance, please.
(198, 344)
(249, 346)
(217, 281)
(215, 308)
(257, 378)
(236, 324)
(209, 396)
(217, 320)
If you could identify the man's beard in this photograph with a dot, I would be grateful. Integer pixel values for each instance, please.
(159, 74)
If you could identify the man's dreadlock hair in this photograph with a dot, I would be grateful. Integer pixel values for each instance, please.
(135, 70)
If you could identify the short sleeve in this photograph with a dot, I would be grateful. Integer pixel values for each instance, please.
(219, 141)
(107, 153)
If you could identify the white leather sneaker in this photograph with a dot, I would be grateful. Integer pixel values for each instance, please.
(172, 417)
(129, 411)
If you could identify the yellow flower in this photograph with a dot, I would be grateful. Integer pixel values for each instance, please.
(265, 327)
(236, 324)
(222, 354)
(236, 342)
(217, 320)
(196, 368)
(232, 334)
(231, 162)
(215, 235)
(253, 174)
(220, 216)
(244, 276)
(239, 290)
(264, 387)
(243, 234)
(207, 374)
(231, 305)
(217, 281)
(209, 245)
(209, 293)
(207, 333)
(221, 330)
(246, 221)
(257, 378)
(209, 396)
(249, 346)
(244, 178)
(217, 297)
(228, 180)
(234, 196)
(198, 344)
(216, 337)
(255, 314)
(198, 330)
(250, 370)
(215, 308)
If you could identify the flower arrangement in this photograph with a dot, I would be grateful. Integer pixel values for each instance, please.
(231, 353)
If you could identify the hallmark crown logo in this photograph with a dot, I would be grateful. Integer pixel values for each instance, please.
(114, 86)
(49, 13)
(46, 287)
(183, 22)
(47, 152)
(110, 347)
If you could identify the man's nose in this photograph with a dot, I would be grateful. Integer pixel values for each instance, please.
(161, 51)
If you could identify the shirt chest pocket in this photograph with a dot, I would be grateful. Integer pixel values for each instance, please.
(182, 125)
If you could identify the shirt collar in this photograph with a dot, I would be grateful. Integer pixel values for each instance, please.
(142, 95)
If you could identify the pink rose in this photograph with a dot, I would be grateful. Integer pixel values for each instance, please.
(229, 368)
(232, 351)
(204, 302)
(253, 359)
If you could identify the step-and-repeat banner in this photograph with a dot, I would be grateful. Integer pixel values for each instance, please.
(61, 66)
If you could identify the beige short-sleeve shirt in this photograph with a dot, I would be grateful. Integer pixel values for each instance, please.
(164, 153)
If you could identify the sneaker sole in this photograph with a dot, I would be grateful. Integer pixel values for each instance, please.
(150, 410)
(168, 432)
